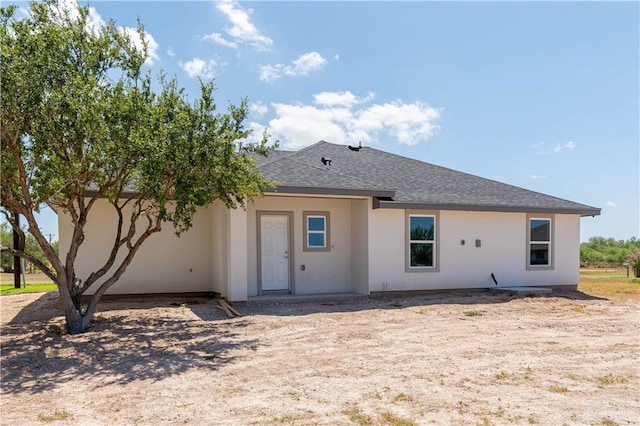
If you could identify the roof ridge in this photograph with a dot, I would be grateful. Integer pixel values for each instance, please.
(322, 141)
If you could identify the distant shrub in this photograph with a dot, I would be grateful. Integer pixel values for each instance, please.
(634, 262)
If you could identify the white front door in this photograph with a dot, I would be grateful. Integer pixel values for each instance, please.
(274, 252)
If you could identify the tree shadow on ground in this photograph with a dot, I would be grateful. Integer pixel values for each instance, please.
(174, 335)
(37, 356)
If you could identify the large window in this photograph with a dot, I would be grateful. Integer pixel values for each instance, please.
(316, 231)
(540, 233)
(421, 254)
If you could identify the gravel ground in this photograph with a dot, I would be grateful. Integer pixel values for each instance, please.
(448, 358)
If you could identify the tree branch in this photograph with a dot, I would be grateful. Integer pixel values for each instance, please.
(118, 242)
(118, 273)
(39, 264)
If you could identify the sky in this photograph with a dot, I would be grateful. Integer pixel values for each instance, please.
(541, 95)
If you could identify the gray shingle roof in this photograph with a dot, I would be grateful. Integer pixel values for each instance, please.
(401, 182)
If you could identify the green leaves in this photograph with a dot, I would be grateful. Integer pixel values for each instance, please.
(79, 114)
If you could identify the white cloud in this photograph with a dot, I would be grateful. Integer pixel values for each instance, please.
(306, 63)
(537, 177)
(137, 41)
(610, 203)
(219, 39)
(199, 68)
(336, 57)
(95, 23)
(171, 52)
(258, 108)
(303, 65)
(543, 149)
(242, 29)
(347, 98)
(335, 118)
(70, 8)
(269, 73)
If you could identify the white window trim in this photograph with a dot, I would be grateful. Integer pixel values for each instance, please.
(550, 242)
(435, 241)
(326, 232)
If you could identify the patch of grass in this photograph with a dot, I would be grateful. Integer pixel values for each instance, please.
(606, 421)
(395, 305)
(57, 415)
(356, 415)
(606, 272)
(402, 397)
(390, 419)
(30, 288)
(620, 288)
(375, 395)
(485, 422)
(473, 313)
(500, 376)
(558, 389)
(577, 308)
(532, 420)
(610, 379)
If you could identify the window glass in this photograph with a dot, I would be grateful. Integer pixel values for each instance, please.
(540, 242)
(316, 240)
(539, 254)
(540, 230)
(315, 223)
(422, 241)
(421, 255)
(422, 227)
(316, 231)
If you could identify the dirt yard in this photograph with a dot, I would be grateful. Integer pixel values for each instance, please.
(450, 358)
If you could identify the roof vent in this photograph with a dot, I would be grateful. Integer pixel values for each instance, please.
(325, 161)
(358, 148)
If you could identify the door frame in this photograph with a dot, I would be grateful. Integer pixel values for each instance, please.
(289, 215)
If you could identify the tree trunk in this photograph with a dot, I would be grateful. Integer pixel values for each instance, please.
(75, 323)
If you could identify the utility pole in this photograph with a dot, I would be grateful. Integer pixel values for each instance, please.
(17, 265)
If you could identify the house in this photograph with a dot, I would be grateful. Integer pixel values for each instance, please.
(356, 220)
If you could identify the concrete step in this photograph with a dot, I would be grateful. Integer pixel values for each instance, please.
(523, 291)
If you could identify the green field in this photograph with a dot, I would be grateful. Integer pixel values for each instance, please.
(31, 288)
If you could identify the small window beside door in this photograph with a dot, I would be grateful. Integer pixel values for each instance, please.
(316, 231)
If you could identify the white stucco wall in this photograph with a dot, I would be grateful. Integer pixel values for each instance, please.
(163, 264)
(367, 251)
(502, 252)
(325, 272)
(219, 246)
(360, 243)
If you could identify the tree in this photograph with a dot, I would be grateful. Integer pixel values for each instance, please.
(607, 251)
(81, 122)
(31, 247)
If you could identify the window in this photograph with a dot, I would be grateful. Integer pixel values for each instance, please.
(539, 240)
(316, 231)
(422, 248)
